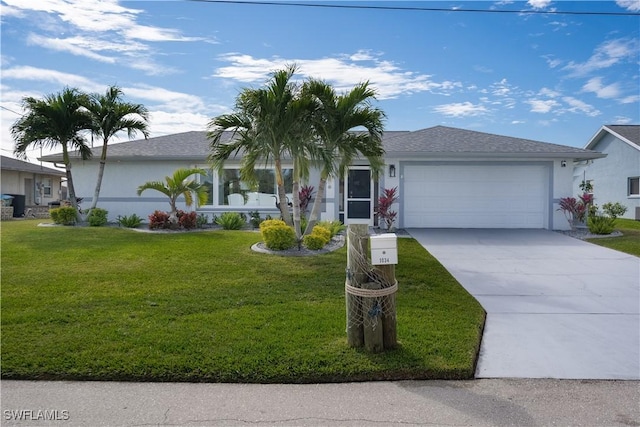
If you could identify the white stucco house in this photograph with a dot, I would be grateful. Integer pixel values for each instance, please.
(446, 177)
(615, 178)
(32, 185)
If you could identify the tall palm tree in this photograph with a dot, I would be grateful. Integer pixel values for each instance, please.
(52, 122)
(111, 115)
(336, 122)
(179, 185)
(269, 125)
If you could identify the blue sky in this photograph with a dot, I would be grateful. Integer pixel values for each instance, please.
(548, 77)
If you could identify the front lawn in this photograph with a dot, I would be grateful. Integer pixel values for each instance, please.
(115, 304)
(629, 242)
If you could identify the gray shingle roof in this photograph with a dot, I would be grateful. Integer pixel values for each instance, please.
(438, 140)
(11, 164)
(442, 140)
(629, 132)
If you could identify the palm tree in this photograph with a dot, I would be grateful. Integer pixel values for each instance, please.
(336, 121)
(57, 120)
(177, 185)
(111, 115)
(269, 124)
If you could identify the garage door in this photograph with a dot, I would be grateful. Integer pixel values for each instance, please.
(475, 196)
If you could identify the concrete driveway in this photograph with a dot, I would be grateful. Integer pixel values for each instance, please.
(557, 307)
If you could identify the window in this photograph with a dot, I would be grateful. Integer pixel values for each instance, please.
(46, 187)
(634, 186)
(232, 191)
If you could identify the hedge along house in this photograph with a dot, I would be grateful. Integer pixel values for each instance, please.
(446, 178)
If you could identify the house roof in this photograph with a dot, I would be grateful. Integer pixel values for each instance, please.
(440, 141)
(629, 134)
(436, 141)
(11, 164)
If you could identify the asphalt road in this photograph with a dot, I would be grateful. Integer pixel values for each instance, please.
(486, 402)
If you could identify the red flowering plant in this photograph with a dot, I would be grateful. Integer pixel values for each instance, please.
(575, 210)
(385, 201)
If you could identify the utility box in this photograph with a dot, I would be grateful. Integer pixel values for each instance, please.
(384, 249)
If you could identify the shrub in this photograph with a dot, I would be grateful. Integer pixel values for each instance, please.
(132, 221)
(574, 210)
(388, 198)
(202, 220)
(335, 227)
(600, 224)
(97, 217)
(614, 210)
(305, 195)
(255, 219)
(271, 222)
(65, 215)
(314, 241)
(278, 236)
(159, 220)
(231, 221)
(318, 238)
(188, 221)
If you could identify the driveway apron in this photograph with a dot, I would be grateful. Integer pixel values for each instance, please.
(557, 307)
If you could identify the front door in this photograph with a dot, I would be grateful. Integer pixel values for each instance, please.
(359, 196)
(28, 192)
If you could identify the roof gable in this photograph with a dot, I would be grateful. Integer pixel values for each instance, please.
(629, 134)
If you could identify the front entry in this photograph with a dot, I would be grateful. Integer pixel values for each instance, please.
(359, 196)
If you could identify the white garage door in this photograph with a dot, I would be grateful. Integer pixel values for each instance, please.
(475, 196)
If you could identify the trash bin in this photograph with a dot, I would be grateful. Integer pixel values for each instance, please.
(18, 205)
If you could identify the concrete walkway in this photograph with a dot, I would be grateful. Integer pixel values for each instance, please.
(502, 402)
(557, 307)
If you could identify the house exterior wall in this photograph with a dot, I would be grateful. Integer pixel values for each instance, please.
(13, 182)
(610, 174)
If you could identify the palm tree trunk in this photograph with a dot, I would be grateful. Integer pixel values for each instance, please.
(70, 188)
(282, 195)
(296, 204)
(96, 193)
(317, 202)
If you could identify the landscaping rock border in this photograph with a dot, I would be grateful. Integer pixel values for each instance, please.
(336, 243)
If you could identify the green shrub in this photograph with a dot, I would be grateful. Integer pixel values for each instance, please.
(599, 224)
(231, 221)
(132, 221)
(322, 231)
(271, 222)
(314, 242)
(614, 210)
(335, 227)
(202, 220)
(97, 217)
(278, 237)
(65, 215)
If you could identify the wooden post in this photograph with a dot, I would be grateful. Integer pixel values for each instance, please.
(357, 246)
(388, 274)
(372, 313)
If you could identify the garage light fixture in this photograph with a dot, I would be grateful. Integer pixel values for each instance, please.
(563, 163)
(392, 171)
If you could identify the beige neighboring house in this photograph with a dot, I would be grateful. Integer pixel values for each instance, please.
(33, 186)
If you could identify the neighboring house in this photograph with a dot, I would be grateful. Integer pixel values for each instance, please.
(37, 185)
(446, 177)
(615, 178)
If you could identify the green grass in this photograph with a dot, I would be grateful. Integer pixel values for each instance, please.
(629, 242)
(97, 303)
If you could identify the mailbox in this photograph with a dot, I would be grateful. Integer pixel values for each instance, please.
(384, 249)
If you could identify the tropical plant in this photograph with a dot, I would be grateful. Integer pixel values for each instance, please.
(335, 227)
(614, 210)
(573, 209)
(231, 221)
(132, 221)
(335, 120)
(110, 115)
(600, 224)
(55, 122)
(202, 220)
(305, 195)
(385, 201)
(65, 215)
(178, 185)
(97, 217)
(160, 220)
(187, 220)
(254, 218)
(277, 235)
(268, 124)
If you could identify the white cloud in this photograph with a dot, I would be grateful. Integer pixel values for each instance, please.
(607, 55)
(631, 5)
(539, 4)
(51, 76)
(550, 93)
(170, 122)
(461, 109)
(343, 72)
(578, 106)
(630, 99)
(542, 106)
(595, 85)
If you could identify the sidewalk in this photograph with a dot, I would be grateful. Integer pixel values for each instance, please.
(501, 402)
